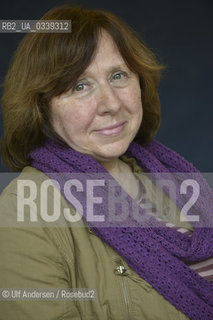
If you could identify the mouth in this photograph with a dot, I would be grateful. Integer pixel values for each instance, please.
(112, 130)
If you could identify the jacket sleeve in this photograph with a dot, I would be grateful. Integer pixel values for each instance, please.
(31, 258)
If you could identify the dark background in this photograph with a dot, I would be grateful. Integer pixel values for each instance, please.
(180, 33)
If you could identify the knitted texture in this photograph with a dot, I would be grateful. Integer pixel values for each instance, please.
(158, 255)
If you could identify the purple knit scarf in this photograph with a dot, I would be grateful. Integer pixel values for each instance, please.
(156, 254)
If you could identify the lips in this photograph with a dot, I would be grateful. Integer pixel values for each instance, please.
(112, 130)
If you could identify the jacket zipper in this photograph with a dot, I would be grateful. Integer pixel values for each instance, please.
(121, 271)
(126, 298)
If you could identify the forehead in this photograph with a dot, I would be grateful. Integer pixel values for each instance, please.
(106, 45)
(107, 56)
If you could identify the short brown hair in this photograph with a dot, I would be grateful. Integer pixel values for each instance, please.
(47, 64)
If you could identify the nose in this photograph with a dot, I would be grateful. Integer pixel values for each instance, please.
(108, 100)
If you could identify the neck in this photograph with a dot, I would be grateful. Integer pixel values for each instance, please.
(121, 172)
(116, 167)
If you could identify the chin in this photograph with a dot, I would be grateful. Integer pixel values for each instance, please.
(112, 152)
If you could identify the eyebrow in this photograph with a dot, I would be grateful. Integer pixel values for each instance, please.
(110, 70)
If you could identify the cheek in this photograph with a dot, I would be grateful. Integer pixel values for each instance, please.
(136, 107)
(133, 101)
(78, 119)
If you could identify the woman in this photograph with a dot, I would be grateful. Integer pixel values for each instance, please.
(87, 102)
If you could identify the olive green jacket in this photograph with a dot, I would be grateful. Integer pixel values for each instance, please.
(69, 257)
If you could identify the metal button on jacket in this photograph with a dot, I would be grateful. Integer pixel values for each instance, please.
(120, 270)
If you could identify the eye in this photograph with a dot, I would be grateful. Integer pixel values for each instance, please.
(119, 79)
(119, 75)
(80, 86)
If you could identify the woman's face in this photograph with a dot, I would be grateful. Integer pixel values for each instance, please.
(101, 115)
